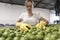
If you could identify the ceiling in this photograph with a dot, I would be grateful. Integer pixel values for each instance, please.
(47, 4)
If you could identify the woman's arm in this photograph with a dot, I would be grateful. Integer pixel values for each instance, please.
(18, 21)
(44, 20)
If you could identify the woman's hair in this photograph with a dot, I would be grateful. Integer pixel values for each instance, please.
(29, 1)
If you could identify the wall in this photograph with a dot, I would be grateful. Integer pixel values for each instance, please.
(9, 13)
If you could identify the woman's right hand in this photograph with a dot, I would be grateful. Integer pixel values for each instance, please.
(18, 21)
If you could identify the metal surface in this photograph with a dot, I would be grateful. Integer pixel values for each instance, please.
(48, 4)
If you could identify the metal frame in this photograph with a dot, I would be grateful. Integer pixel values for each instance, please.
(37, 3)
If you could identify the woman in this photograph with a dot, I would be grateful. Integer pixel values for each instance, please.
(30, 17)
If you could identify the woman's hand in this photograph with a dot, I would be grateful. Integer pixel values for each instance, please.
(44, 20)
(18, 21)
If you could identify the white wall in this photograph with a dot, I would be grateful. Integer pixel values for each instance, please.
(9, 13)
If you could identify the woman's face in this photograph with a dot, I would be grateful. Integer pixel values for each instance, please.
(29, 6)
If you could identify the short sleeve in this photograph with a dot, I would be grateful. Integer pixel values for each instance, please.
(21, 16)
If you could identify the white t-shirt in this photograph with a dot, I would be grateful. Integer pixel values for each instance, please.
(30, 20)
